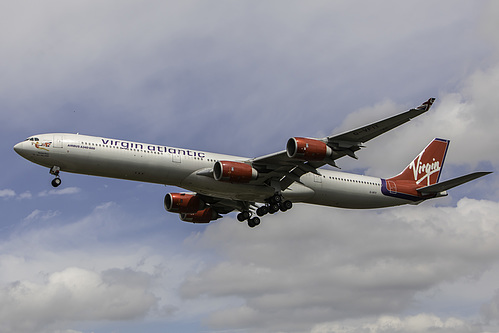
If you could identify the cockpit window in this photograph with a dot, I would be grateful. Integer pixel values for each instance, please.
(32, 139)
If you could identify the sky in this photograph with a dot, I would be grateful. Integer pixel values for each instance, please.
(241, 77)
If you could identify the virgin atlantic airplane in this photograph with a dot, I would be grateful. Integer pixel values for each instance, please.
(220, 184)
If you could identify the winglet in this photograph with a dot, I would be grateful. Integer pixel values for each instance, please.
(426, 105)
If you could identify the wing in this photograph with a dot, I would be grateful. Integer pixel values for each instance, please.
(280, 169)
(351, 141)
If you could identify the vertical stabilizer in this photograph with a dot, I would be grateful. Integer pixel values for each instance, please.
(425, 168)
(423, 171)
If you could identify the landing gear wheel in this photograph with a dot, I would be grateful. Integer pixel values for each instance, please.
(261, 211)
(273, 208)
(284, 206)
(276, 198)
(56, 182)
(253, 222)
(243, 216)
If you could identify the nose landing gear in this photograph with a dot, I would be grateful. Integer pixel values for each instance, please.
(57, 180)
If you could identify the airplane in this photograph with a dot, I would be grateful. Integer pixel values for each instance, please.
(219, 184)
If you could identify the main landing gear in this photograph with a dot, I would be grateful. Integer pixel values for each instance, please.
(57, 180)
(272, 205)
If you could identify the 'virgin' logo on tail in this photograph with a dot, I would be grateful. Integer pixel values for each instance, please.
(422, 170)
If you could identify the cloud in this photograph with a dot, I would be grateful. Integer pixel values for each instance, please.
(75, 294)
(392, 324)
(7, 193)
(490, 310)
(64, 191)
(122, 274)
(38, 214)
(325, 264)
(25, 195)
(467, 118)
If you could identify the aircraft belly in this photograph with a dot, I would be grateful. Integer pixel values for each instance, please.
(353, 199)
(118, 164)
(209, 186)
(297, 192)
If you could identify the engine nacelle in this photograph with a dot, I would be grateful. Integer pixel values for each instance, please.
(308, 149)
(201, 216)
(234, 172)
(183, 203)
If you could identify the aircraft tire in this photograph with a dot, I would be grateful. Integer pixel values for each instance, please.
(276, 198)
(242, 216)
(56, 182)
(261, 211)
(253, 222)
(274, 208)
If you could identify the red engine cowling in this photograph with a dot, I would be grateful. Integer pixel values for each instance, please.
(308, 149)
(234, 172)
(202, 216)
(183, 203)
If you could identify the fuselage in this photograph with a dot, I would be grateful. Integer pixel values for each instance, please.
(192, 170)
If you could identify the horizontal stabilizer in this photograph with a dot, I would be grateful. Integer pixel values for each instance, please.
(448, 184)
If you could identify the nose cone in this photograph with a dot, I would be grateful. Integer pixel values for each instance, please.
(19, 148)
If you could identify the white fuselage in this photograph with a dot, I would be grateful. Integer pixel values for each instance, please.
(191, 170)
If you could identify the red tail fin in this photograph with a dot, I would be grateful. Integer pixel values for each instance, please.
(424, 170)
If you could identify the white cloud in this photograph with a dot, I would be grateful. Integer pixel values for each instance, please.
(490, 310)
(25, 195)
(391, 324)
(321, 264)
(75, 294)
(115, 279)
(7, 193)
(38, 214)
(467, 118)
(64, 191)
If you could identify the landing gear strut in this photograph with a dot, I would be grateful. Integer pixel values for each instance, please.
(57, 180)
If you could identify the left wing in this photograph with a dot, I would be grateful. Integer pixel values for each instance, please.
(303, 155)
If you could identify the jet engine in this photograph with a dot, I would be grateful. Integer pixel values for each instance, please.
(201, 216)
(234, 172)
(183, 203)
(308, 149)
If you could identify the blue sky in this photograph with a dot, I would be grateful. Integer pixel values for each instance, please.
(102, 255)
